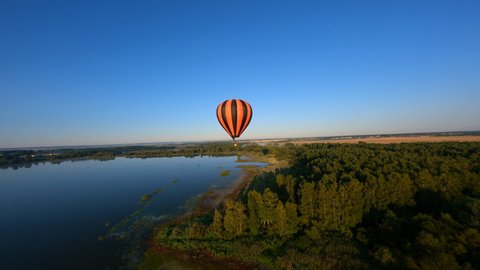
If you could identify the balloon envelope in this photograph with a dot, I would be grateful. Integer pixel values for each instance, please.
(234, 115)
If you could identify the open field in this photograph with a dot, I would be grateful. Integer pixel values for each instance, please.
(404, 139)
(378, 139)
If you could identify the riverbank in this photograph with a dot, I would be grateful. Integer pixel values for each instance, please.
(214, 197)
(160, 256)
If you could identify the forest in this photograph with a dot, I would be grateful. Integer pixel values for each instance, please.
(347, 206)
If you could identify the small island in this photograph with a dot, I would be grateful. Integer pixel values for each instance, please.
(145, 197)
(225, 173)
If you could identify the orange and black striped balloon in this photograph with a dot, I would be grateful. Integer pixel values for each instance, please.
(234, 116)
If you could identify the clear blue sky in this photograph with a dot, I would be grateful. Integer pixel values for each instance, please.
(100, 72)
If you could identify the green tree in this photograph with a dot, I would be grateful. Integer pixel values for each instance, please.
(280, 226)
(230, 220)
(353, 202)
(240, 218)
(290, 187)
(280, 179)
(216, 227)
(292, 218)
(195, 231)
(307, 201)
(267, 214)
(254, 208)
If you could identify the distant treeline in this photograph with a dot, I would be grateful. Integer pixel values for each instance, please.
(349, 206)
(25, 158)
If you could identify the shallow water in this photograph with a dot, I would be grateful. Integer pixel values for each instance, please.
(54, 216)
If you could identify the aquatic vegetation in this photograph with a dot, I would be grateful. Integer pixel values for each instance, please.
(225, 173)
(145, 197)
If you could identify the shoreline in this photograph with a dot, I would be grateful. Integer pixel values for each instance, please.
(209, 201)
(213, 197)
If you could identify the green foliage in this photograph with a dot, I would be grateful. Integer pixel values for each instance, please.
(234, 221)
(346, 206)
(280, 225)
(292, 218)
(254, 207)
(267, 212)
(290, 186)
(307, 201)
(216, 228)
(225, 173)
(145, 197)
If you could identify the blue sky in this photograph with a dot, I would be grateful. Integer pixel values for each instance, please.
(101, 72)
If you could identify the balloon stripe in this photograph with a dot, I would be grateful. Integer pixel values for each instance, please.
(249, 116)
(244, 116)
(240, 116)
(228, 115)
(234, 117)
(225, 117)
(219, 118)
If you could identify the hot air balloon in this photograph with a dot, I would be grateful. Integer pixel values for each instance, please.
(234, 115)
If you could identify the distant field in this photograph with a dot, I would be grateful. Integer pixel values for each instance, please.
(381, 140)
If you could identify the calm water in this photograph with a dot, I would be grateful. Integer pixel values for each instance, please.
(53, 216)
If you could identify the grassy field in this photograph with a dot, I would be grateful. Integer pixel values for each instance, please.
(375, 139)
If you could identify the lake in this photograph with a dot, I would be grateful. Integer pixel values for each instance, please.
(63, 216)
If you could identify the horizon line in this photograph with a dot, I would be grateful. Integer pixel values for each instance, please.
(81, 146)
